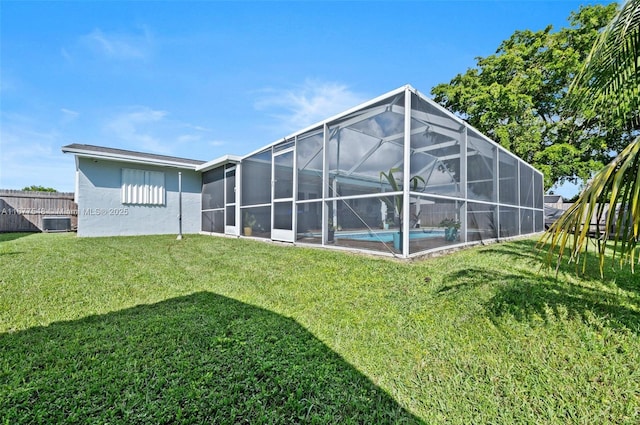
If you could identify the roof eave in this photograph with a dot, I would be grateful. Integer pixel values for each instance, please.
(128, 158)
(223, 160)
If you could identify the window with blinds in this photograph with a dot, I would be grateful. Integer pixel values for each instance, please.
(142, 187)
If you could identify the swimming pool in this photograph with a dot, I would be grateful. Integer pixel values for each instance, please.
(387, 235)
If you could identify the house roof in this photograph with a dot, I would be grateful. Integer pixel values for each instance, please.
(552, 199)
(101, 152)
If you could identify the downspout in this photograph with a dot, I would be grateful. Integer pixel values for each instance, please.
(406, 174)
(179, 205)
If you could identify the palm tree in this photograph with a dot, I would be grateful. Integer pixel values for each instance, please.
(608, 87)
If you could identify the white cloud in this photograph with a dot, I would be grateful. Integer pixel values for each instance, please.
(217, 143)
(127, 121)
(197, 127)
(65, 54)
(305, 104)
(151, 130)
(68, 115)
(137, 127)
(5, 85)
(120, 46)
(188, 138)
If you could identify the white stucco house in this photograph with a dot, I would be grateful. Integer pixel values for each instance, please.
(121, 192)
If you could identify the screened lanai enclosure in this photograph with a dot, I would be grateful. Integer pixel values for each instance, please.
(397, 175)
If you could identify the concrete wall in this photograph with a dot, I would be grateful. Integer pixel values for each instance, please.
(101, 212)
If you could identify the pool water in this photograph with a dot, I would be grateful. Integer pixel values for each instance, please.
(387, 236)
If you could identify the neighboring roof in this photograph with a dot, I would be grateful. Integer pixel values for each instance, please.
(101, 152)
(552, 199)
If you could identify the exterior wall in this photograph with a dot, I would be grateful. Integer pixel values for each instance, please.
(101, 212)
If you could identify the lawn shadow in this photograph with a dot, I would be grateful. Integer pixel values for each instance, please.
(528, 296)
(613, 272)
(465, 279)
(520, 248)
(10, 236)
(11, 253)
(528, 249)
(202, 358)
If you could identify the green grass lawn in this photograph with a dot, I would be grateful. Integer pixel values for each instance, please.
(216, 330)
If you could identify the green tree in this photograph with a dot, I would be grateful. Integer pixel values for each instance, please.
(519, 97)
(34, 188)
(608, 91)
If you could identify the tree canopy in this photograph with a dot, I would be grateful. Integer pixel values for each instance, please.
(35, 188)
(519, 97)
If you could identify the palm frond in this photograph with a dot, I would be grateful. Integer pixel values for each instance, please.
(393, 202)
(610, 80)
(611, 199)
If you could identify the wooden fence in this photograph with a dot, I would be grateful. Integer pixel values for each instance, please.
(22, 211)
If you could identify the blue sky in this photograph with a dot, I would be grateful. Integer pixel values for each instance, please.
(204, 79)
